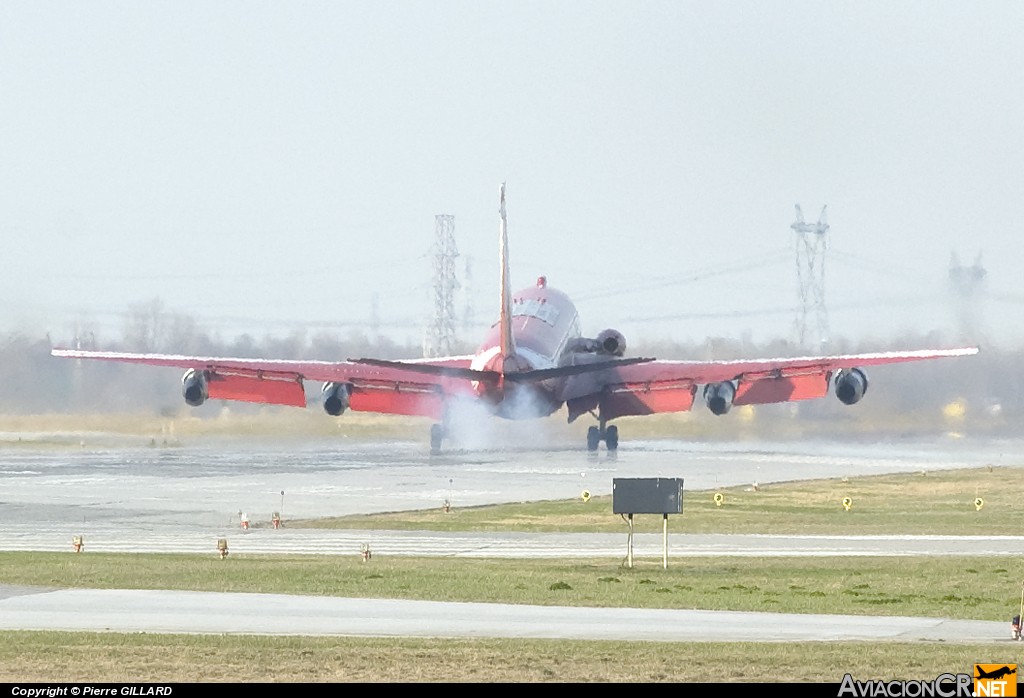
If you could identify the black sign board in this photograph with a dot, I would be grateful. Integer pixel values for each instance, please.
(647, 495)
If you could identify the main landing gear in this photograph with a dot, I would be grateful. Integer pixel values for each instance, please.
(437, 434)
(608, 434)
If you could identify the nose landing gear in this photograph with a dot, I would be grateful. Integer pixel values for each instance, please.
(437, 434)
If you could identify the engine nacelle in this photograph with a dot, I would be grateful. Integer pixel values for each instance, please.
(193, 387)
(719, 396)
(335, 398)
(851, 384)
(610, 342)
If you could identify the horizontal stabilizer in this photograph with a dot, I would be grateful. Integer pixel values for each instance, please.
(431, 369)
(533, 376)
(542, 374)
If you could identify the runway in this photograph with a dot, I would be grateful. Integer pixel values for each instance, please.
(142, 498)
(202, 488)
(276, 614)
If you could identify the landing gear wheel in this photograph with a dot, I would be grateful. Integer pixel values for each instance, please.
(611, 437)
(436, 436)
(593, 438)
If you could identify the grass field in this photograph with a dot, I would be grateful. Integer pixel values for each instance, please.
(937, 503)
(940, 502)
(949, 587)
(110, 657)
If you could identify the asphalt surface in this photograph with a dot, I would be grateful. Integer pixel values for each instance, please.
(276, 614)
(183, 499)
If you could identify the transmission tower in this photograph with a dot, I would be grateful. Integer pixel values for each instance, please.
(968, 285)
(811, 244)
(468, 312)
(440, 338)
(966, 281)
(375, 314)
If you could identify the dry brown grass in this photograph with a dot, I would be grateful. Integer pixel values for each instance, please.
(109, 657)
(940, 502)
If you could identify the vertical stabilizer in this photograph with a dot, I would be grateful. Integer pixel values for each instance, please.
(507, 349)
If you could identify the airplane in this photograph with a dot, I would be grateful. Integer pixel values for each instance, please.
(532, 362)
(994, 674)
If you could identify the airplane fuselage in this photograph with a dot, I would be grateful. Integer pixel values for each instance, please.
(544, 323)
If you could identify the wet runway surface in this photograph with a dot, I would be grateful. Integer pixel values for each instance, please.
(183, 499)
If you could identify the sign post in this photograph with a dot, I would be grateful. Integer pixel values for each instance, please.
(653, 495)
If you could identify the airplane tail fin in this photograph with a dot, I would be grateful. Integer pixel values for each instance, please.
(505, 318)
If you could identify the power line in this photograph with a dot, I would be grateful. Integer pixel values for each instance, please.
(707, 272)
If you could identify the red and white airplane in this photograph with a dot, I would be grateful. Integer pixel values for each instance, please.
(532, 362)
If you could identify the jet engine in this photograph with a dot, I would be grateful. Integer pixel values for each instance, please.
(719, 396)
(610, 342)
(335, 398)
(851, 384)
(193, 387)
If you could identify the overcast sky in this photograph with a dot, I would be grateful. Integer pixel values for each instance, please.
(270, 166)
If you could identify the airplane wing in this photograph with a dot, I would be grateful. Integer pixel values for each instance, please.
(388, 389)
(621, 387)
(671, 386)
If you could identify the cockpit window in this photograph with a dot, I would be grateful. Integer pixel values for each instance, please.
(532, 307)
